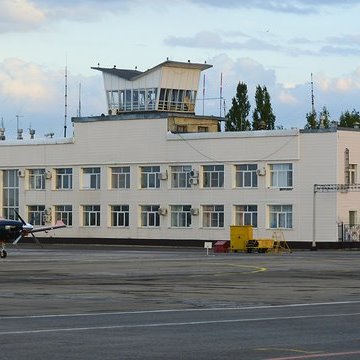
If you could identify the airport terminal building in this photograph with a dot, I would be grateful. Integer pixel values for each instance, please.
(149, 170)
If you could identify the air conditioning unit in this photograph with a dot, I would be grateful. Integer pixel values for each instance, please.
(47, 218)
(21, 173)
(194, 211)
(194, 174)
(48, 175)
(163, 175)
(261, 172)
(162, 211)
(193, 181)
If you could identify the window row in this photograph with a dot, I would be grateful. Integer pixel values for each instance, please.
(212, 216)
(181, 177)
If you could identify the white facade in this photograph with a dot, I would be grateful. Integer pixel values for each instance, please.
(287, 165)
(126, 176)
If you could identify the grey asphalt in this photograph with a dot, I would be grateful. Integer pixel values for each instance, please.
(160, 303)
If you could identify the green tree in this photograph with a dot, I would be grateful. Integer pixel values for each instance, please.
(311, 121)
(324, 118)
(237, 117)
(315, 122)
(263, 116)
(349, 119)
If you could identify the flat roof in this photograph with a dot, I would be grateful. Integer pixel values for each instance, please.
(131, 75)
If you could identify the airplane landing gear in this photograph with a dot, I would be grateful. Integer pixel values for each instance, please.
(3, 252)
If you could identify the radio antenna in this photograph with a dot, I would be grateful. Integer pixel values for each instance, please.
(65, 115)
(312, 95)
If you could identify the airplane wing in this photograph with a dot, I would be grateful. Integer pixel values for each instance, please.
(59, 224)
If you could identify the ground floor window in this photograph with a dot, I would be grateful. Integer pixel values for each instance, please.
(150, 216)
(36, 214)
(120, 215)
(280, 216)
(213, 216)
(91, 215)
(180, 215)
(64, 213)
(246, 215)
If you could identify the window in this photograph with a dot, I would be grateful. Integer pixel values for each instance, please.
(203, 129)
(120, 215)
(180, 176)
(64, 213)
(181, 128)
(180, 215)
(352, 174)
(120, 177)
(213, 216)
(280, 216)
(91, 178)
(10, 193)
(246, 215)
(150, 177)
(91, 215)
(37, 179)
(150, 216)
(213, 176)
(246, 176)
(64, 178)
(177, 99)
(281, 175)
(36, 214)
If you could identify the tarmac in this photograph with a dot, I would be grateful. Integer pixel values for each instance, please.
(113, 302)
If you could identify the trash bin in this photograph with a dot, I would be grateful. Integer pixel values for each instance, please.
(222, 246)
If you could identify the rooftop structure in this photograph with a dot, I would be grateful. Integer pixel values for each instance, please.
(169, 86)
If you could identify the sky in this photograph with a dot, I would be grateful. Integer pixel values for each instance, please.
(272, 43)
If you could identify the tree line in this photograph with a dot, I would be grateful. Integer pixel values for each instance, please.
(263, 118)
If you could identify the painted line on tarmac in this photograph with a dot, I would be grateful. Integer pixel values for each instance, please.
(318, 355)
(174, 324)
(236, 308)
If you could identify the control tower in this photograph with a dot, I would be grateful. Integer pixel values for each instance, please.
(171, 86)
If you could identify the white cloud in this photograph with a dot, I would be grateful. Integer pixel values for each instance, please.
(19, 15)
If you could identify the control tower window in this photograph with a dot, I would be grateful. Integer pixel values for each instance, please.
(177, 100)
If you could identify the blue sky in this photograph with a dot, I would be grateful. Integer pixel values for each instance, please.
(267, 42)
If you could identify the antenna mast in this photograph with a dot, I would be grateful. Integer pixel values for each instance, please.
(79, 109)
(312, 95)
(65, 116)
(221, 89)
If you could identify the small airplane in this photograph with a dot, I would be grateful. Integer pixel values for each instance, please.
(14, 230)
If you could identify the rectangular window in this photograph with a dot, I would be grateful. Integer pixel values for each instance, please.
(10, 193)
(150, 177)
(120, 215)
(180, 215)
(37, 179)
(36, 215)
(352, 174)
(91, 178)
(246, 215)
(64, 213)
(281, 175)
(213, 176)
(180, 176)
(120, 177)
(64, 178)
(246, 176)
(280, 216)
(150, 216)
(91, 215)
(203, 129)
(213, 216)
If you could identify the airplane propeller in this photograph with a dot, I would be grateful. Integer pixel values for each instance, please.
(26, 229)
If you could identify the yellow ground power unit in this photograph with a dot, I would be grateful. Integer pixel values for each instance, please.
(239, 236)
